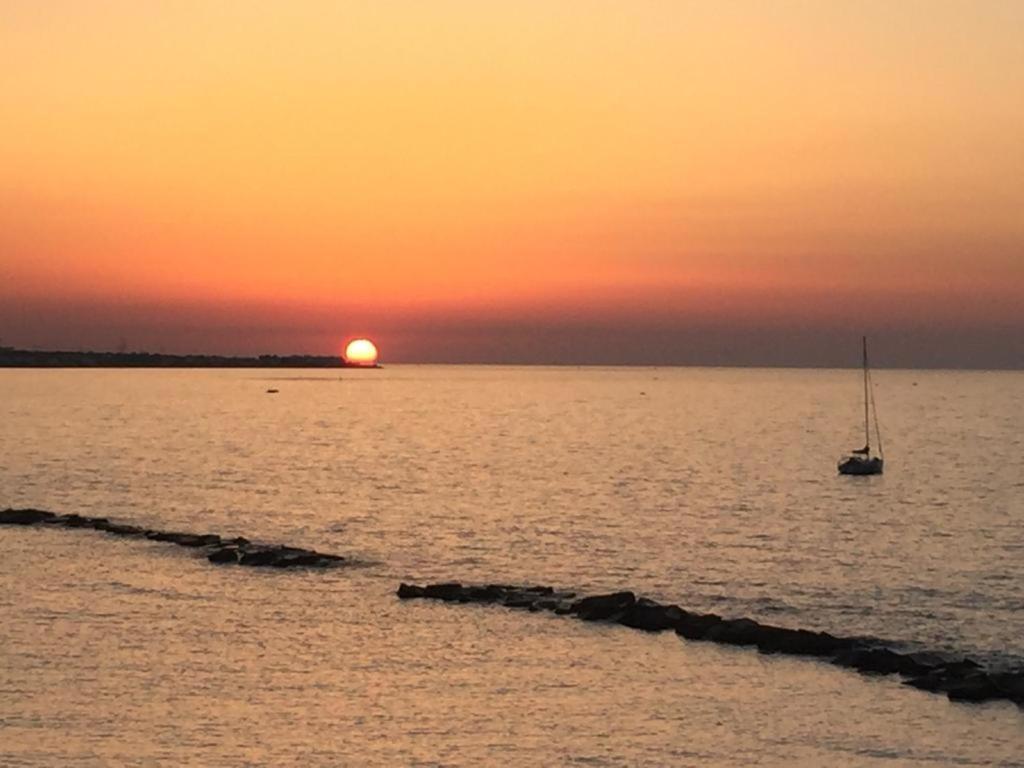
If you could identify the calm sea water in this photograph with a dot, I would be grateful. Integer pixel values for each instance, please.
(712, 488)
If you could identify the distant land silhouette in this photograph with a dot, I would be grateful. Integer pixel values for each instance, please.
(33, 358)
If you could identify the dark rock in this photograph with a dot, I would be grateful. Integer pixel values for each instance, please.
(651, 616)
(977, 686)
(185, 539)
(204, 540)
(694, 626)
(960, 667)
(939, 674)
(931, 659)
(960, 679)
(967, 682)
(933, 681)
(880, 661)
(799, 642)
(258, 557)
(293, 559)
(519, 601)
(489, 594)
(548, 604)
(223, 555)
(1011, 683)
(25, 517)
(604, 607)
(163, 535)
(285, 557)
(734, 632)
(117, 529)
(238, 549)
(198, 540)
(410, 591)
(450, 591)
(326, 558)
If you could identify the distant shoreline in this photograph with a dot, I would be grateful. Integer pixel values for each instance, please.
(11, 357)
(32, 358)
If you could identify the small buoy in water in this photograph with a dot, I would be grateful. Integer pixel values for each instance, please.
(271, 391)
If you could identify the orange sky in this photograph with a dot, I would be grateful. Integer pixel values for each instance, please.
(457, 176)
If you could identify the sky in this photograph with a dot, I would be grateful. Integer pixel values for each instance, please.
(582, 181)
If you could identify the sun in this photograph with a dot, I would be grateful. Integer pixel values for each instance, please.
(361, 352)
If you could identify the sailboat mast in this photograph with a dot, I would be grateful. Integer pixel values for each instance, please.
(867, 429)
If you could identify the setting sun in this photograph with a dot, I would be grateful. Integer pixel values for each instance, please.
(361, 352)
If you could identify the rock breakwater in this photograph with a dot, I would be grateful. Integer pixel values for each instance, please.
(217, 549)
(960, 679)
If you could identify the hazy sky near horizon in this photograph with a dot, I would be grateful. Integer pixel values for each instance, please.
(582, 180)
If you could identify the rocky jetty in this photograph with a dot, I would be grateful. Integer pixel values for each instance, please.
(216, 549)
(960, 679)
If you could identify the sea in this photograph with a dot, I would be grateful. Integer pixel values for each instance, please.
(712, 488)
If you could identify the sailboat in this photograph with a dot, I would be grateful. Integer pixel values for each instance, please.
(860, 461)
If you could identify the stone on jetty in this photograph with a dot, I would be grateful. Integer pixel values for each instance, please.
(880, 661)
(284, 557)
(959, 679)
(798, 642)
(25, 517)
(449, 592)
(604, 607)
(735, 632)
(77, 521)
(119, 529)
(530, 598)
(238, 550)
(977, 686)
(651, 616)
(223, 556)
(185, 539)
(694, 626)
